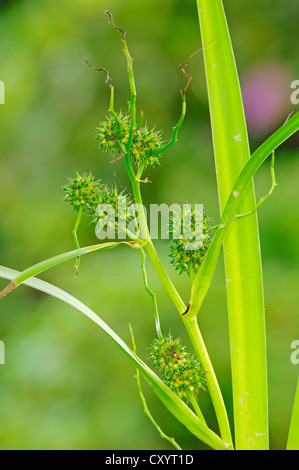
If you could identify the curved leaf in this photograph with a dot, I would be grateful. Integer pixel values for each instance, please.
(293, 439)
(54, 261)
(174, 404)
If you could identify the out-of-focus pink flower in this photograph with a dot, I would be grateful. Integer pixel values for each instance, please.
(266, 95)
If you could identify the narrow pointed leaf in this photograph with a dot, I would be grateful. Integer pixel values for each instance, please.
(174, 404)
(55, 261)
(293, 439)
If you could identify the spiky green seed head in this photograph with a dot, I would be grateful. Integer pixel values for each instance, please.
(182, 257)
(83, 192)
(168, 353)
(114, 136)
(145, 144)
(112, 208)
(180, 371)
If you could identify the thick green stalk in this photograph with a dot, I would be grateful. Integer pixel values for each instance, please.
(241, 246)
(214, 389)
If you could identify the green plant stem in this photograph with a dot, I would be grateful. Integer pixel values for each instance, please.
(144, 232)
(140, 171)
(193, 332)
(196, 407)
(75, 229)
(212, 383)
(176, 128)
(164, 278)
(150, 249)
(111, 109)
(273, 186)
(241, 248)
(129, 60)
(140, 121)
(192, 275)
(152, 295)
(197, 342)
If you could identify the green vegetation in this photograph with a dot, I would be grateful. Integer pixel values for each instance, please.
(136, 147)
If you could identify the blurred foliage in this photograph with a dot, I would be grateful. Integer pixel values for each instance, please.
(65, 385)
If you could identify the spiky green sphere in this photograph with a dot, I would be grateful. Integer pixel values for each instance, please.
(83, 192)
(180, 371)
(183, 258)
(119, 208)
(113, 137)
(168, 353)
(145, 144)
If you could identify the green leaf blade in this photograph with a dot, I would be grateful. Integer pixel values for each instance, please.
(55, 261)
(241, 248)
(176, 406)
(293, 438)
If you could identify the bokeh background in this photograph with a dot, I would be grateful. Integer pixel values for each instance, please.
(65, 385)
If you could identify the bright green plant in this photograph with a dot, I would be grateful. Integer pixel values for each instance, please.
(183, 377)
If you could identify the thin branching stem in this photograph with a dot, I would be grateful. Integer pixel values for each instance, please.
(263, 199)
(175, 129)
(74, 232)
(195, 335)
(196, 407)
(152, 295)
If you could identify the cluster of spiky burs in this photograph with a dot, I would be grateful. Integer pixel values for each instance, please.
(84, 192)
(113, 209)
(113, 136)
(189, 249)
(180, 371)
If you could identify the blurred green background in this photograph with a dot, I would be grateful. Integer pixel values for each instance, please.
(65, 385)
